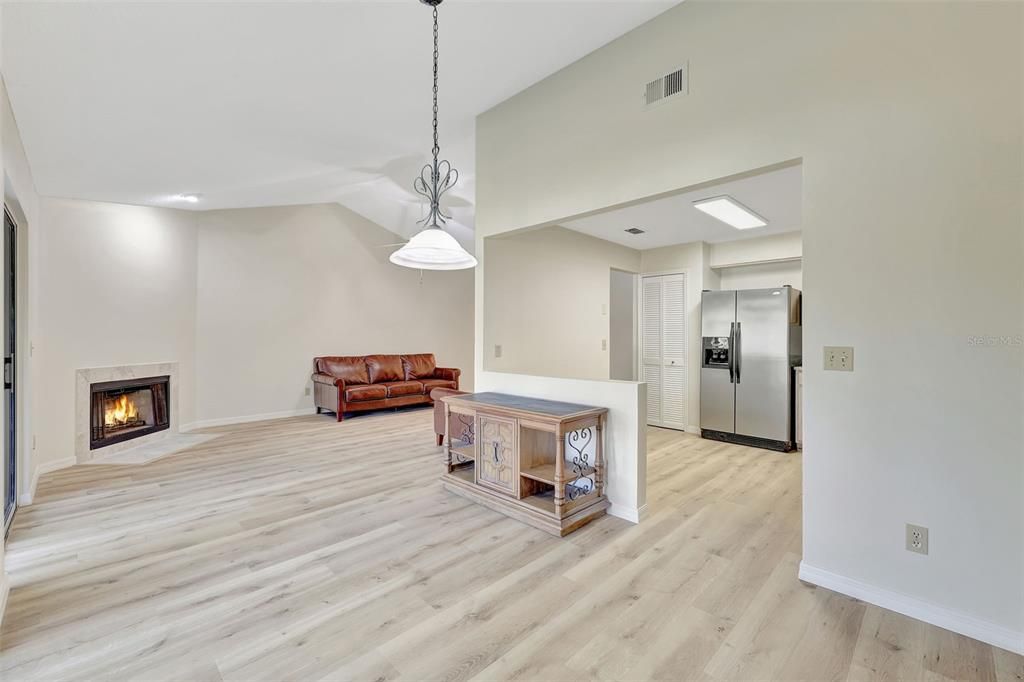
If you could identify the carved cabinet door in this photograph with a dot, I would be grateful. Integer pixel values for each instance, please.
(496, 465)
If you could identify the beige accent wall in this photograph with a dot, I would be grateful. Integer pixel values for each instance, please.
(278, 286)
(548, 299)
(908, 119)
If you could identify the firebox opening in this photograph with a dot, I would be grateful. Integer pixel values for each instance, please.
(122, 410)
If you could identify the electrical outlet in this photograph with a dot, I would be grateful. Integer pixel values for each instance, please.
(497, 351)
(839, 358)
(604, 344)
(308, 389)
(604, 308)
(917, 539)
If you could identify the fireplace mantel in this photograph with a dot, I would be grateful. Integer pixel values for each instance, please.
(85, 378)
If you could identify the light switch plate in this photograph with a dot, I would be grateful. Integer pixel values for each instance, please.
(497, 351)
(839, 358)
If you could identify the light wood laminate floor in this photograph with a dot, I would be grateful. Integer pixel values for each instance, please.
(303, 549)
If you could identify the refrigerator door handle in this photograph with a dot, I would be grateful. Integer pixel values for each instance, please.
(732, 352)
(737, 352)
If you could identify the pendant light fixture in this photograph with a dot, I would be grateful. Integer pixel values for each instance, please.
(433, 248)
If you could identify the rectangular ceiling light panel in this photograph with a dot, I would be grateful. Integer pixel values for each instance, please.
(730, 212)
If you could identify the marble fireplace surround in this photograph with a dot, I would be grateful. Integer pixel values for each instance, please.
(84, 378)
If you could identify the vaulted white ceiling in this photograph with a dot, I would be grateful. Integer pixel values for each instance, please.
(257, 104)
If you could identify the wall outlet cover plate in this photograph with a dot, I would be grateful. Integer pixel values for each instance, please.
(917, 539)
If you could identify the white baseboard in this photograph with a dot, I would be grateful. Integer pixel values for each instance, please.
(962, 623)
(632, 514)
(245, 419)
(5, 589)
(27, 496)
(693, 429)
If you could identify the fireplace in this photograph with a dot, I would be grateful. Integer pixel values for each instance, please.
(123, 410)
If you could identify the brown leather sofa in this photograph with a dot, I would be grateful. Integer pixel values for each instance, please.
(357, 383)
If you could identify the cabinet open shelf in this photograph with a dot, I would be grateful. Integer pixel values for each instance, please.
(464, 449)
(545, 473)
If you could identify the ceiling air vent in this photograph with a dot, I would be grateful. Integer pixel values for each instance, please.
(635, 230)
(661, 89)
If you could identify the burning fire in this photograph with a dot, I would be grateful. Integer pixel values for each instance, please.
(120, 411)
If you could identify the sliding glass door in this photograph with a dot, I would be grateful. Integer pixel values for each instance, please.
(10, 334)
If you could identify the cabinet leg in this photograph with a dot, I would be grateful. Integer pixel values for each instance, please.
(560, 474)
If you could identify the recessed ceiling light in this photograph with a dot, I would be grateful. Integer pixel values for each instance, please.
(188, 198)
(635, 230)
(730, 211)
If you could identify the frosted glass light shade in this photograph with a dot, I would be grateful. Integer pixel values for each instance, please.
(433, 249)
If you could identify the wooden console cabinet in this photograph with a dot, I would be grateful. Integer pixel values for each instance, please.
(538, 461)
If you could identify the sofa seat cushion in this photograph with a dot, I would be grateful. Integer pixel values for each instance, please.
(431, 384)
(365, 392)
(419, 366)
(351, 369)
(385, 368)
(397, 388)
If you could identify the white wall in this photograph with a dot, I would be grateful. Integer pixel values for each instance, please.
(117, 286)
(622, 325)
(242, 300)
(760, 263)
(908, 119)
(775, 247)
(547, 302)
(278, 286)
(763, 276)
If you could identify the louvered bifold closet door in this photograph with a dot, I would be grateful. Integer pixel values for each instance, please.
(673, 373)
(663, 348)
(650, 345)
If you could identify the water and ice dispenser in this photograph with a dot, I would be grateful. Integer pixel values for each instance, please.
(715, 351)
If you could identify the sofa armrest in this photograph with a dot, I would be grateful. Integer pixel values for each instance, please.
(328, 380)
(448, 374)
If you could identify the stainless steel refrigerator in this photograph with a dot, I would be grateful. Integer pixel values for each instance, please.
(751, 342)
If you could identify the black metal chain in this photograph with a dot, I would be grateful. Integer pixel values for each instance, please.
(437, 147)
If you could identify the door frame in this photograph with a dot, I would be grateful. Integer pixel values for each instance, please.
(11, 430)
(638, 345)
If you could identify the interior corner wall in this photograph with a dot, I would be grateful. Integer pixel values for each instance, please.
(117, 285)
(547, 302)
(279, 286)
(908, 119)
(241, 299)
